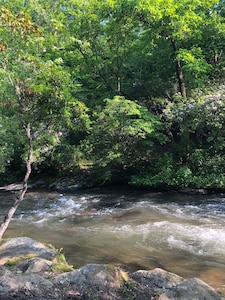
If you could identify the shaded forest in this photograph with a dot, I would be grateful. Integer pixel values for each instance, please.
(113, 91)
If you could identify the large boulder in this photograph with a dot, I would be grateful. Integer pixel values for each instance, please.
(25, 286)
(169, 286)
(93, 280)
(158, 279)
(24, 246)
(193, 289)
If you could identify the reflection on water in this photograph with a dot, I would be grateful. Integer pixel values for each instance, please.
(180, 233)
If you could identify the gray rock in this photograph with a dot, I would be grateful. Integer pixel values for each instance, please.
(24, 246)
(157, 278)
(89, 278)
(35, 265)
(193, 289)
(11, 282)
(169, 286)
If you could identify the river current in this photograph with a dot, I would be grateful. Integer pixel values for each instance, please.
(184, 234)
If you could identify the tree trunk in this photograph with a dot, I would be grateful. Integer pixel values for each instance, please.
(180, 75)
(22, 192)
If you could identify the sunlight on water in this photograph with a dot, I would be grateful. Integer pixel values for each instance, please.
(180, 233)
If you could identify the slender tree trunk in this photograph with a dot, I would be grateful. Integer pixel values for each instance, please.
(181, 81)
(22, 192)
(118, 86)
(180, 75)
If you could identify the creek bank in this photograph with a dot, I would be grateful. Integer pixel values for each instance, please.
(69, 186)
(32, 270)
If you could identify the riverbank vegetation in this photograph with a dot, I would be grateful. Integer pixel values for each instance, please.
(114, 91)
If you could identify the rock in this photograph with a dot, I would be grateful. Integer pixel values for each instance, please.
(193, 289)
(158, 279)
(24, 246)
(169, 286)
(64, 186)
(23, 285)
(191, 191)
(35, 265)
(92, 277)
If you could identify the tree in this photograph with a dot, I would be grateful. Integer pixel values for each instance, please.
(101, 48)
(7, 142)
(122, 135)
(140, 49)
(181, 24)
(40, 91)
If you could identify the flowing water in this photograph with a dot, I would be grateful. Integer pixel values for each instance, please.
(184, 234)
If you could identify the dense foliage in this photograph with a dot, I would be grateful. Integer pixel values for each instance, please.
(119, 90)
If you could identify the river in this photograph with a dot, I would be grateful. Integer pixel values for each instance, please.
(184, 234)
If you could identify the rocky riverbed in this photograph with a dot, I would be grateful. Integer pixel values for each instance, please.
(32, 270)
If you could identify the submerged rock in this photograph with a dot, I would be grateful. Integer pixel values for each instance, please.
(38, 278)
